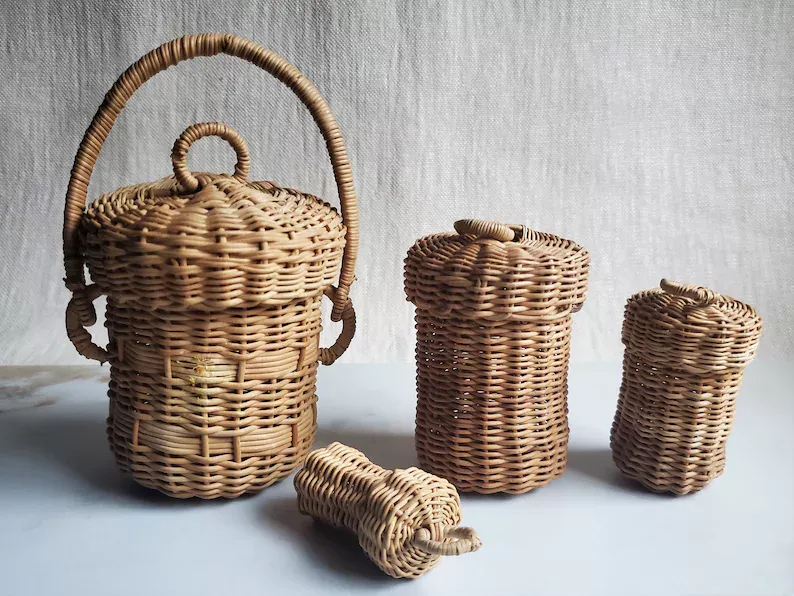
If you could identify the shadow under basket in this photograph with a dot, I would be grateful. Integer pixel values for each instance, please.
(214, 289)
(686, 350)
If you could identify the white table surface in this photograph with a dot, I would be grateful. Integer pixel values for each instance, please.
(71, 524)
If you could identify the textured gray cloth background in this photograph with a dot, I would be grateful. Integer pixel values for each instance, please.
(656, 134)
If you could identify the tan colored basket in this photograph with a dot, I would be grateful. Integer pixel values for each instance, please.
(493, 322)
(686, 349)
(214, 287)
(406, 520)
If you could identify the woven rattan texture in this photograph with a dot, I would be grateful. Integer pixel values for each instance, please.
(406, 520)
(214, 288)
(152, 246)
(493, 324)
(686, 350)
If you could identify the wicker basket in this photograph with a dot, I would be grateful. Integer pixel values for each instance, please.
(686, 349)
(493, 322)
(214, 287)
(406, 520)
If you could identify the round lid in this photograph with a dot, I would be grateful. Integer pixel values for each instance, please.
(691, 328)
(213, 240)
(495, 272)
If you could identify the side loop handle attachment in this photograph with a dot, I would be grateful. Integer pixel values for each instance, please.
(697, 293)
(456, 540)
(197, 131)
(330, 355)
(491, 230)
(80, 314)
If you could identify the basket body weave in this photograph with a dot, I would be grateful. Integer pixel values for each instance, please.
(493, 324)
(213, 287)
(206, 399)
(403, 518)
(685, 353)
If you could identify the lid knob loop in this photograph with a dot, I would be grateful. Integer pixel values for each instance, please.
(197, 131)
(491, 230)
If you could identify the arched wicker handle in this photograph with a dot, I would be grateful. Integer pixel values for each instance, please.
(77, 321)
(169, 54)
(697, 293)
(197, 131)
(329, 355)
(465, 541)
(491, 229)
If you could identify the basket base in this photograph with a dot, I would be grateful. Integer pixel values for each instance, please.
(219, 474)
(515, 476)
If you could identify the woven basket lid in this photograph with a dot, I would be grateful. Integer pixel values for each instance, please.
(495, 272)
(690, 328)
(210, 241)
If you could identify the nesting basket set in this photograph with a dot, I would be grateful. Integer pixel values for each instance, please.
(214, 286)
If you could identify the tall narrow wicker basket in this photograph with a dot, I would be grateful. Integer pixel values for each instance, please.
(686, 350)
(493, 322)
(214, 287)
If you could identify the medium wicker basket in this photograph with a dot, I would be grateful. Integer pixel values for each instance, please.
(686, 350)
(406, 520)
(493, 323)
(213, 291)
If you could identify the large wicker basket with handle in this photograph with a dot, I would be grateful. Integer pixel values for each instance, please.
(493, 324)
(686, 351)
(213, 288)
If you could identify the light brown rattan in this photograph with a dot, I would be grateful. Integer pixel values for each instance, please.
(686, 349)
(214, 287)
(406, 520)
(493, 321)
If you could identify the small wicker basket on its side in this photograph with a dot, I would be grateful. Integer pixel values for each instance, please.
(493, 323)
(686, 350)
(406, 520)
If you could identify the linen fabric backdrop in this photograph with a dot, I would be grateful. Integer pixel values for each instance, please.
(656, 134)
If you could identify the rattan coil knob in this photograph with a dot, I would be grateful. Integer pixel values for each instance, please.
(406, 520)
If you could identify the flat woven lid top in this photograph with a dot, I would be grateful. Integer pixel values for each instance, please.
(244, 215)
(691, 327)
(217, 214)
(496, 272)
